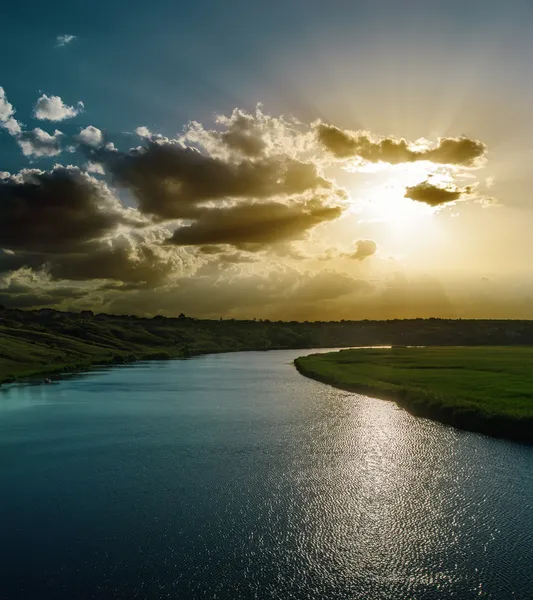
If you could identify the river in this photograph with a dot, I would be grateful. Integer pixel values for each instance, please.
(233, 477)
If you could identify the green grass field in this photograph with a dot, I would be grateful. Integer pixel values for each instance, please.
(485, 389)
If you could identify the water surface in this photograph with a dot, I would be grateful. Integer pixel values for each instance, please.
(234, 477)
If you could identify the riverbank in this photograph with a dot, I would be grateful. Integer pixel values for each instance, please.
(47, 348)
(46, 342)
(483, 389)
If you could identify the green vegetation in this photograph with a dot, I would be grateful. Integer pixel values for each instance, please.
(489, 390)
(46, 342)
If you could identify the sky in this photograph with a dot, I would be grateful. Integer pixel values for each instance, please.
(296, 160)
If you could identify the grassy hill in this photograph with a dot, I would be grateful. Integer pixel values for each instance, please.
(47, 341)
(41, 342)
(485, 389)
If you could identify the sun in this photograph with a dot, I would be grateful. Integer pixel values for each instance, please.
(388, 204)
(381, 197)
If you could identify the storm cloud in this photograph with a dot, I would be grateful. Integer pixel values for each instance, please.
(170, 181)
(55, 211)
(17, 295)
(259, 223)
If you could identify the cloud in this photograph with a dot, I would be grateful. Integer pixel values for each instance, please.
(459, 151)
(433, 195)
(52, 108)
(129, 259)
(224, 203)
(279, 293)
(25, 295)
(171, 182)
(259, 224)
(243, 134)
(55, 211)
(38, 143)
(250, 135)
(364, 249)
(96, 168)
(7, 120)
(143, 132)
(91, 136)
(125, 258)
(70, 225)
(348, 144)
(63, 40)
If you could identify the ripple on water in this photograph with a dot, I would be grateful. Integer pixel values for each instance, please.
(234, 477)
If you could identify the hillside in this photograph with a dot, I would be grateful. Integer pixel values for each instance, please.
(46, 341)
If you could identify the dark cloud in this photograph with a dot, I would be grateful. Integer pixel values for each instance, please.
(458, 151)
(132, 263)
(171, 182)
(433, 195)
(54, 211)
(344, 144)
(68, 224)
(11, 261)
(364, 249)
(18, 295)
(121, 260)
(260, 223)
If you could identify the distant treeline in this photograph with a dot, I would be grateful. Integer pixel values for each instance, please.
(48, 341)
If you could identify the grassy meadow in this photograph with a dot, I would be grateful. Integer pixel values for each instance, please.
(485, 389)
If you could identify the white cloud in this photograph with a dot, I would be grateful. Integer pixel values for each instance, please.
(156, 138)
(63, 40)
(143, 132)
(40, 143)
(52, 108)
(95, 168)
(7, 121)
(91, 136)
(251, 135)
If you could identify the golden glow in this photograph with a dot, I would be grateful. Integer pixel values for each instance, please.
(381, 198)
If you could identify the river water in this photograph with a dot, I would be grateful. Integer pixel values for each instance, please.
(234, 477)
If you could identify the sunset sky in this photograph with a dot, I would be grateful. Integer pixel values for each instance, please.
(302, 160)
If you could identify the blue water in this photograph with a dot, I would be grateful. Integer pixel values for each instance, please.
(233, 477)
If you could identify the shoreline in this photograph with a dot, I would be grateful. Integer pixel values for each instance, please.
(426, 406)
(57, 373)
(37, 377)
(46, 342)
